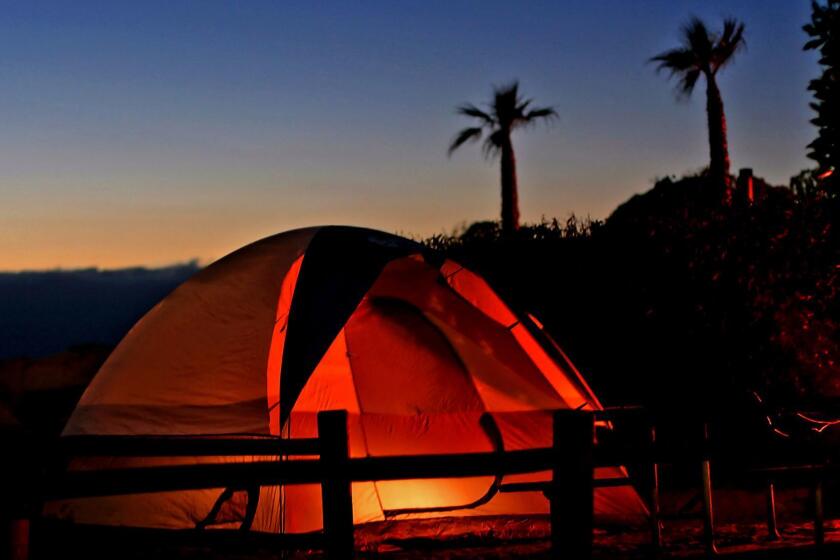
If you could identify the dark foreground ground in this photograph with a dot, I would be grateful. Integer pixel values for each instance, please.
(681, 540)
(509, 538)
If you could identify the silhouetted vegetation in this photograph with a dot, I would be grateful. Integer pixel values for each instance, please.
(678, 303)
(507, 112)
(675, 301)
(824, 33)
(704, 53)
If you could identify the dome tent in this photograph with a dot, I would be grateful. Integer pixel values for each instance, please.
(420, 351)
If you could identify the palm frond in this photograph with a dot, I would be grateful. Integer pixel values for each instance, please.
(731, 28)
(730, 42)
(511, 90)
(505, 102)
(701, 52)
(696, 37)
(675, 60)
(470, 134)
(470, 110)
(506, 112)
(540, 113)
(493, 143)
(686, 85)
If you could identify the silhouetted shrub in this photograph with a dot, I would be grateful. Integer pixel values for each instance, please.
(677, 301)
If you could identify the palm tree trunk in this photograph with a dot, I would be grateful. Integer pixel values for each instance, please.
(718, 147)
(510, 196)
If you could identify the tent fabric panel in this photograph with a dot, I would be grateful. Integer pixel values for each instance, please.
(417, 283)
(301, 509)
(525, 430)
(267, 518)
(305, 425)
(300, 506)
(278, 342)
(216, 327)
(331, 385)
(422, 494)
(339, 267)
(163, 510)
(500, 388)
(612, 505)
(159, 510)
(475, 290)
(620, 505)
(303, 512)
(157, 420)
(566, 387)
(529, 430)
(574, 375)
(396, 434)
(420, 434)
(395, 351)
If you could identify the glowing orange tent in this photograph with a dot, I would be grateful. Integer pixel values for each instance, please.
(421, 352)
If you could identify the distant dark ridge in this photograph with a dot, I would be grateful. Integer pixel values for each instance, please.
(44, 312)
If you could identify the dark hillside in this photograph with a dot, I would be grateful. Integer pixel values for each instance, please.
(42, 313)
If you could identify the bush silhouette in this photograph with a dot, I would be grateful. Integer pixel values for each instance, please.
(675, 302)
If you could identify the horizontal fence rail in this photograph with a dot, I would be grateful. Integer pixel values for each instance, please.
(184, 446)
(140, 480)
(111, 482)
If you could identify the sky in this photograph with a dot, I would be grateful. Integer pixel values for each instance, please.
(154, 132)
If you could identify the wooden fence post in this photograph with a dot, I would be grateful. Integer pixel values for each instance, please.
(571, 495)
(772, 526)
(656, 523)
(708, 504)
(819, 529)
(18, 539)
(336, 491)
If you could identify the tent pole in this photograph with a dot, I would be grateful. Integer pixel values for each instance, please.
(571, 494)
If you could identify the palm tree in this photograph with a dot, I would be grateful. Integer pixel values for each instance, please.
(703, 52)
(507, 112)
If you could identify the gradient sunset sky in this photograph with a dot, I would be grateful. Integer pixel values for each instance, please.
(146, 133)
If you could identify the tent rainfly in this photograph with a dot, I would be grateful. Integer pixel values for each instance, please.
(420, 351)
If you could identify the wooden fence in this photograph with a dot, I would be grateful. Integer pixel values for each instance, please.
(571, 460)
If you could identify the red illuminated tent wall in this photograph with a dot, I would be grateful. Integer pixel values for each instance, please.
(421, 352)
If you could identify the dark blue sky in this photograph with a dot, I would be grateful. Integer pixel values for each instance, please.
(150, 132)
